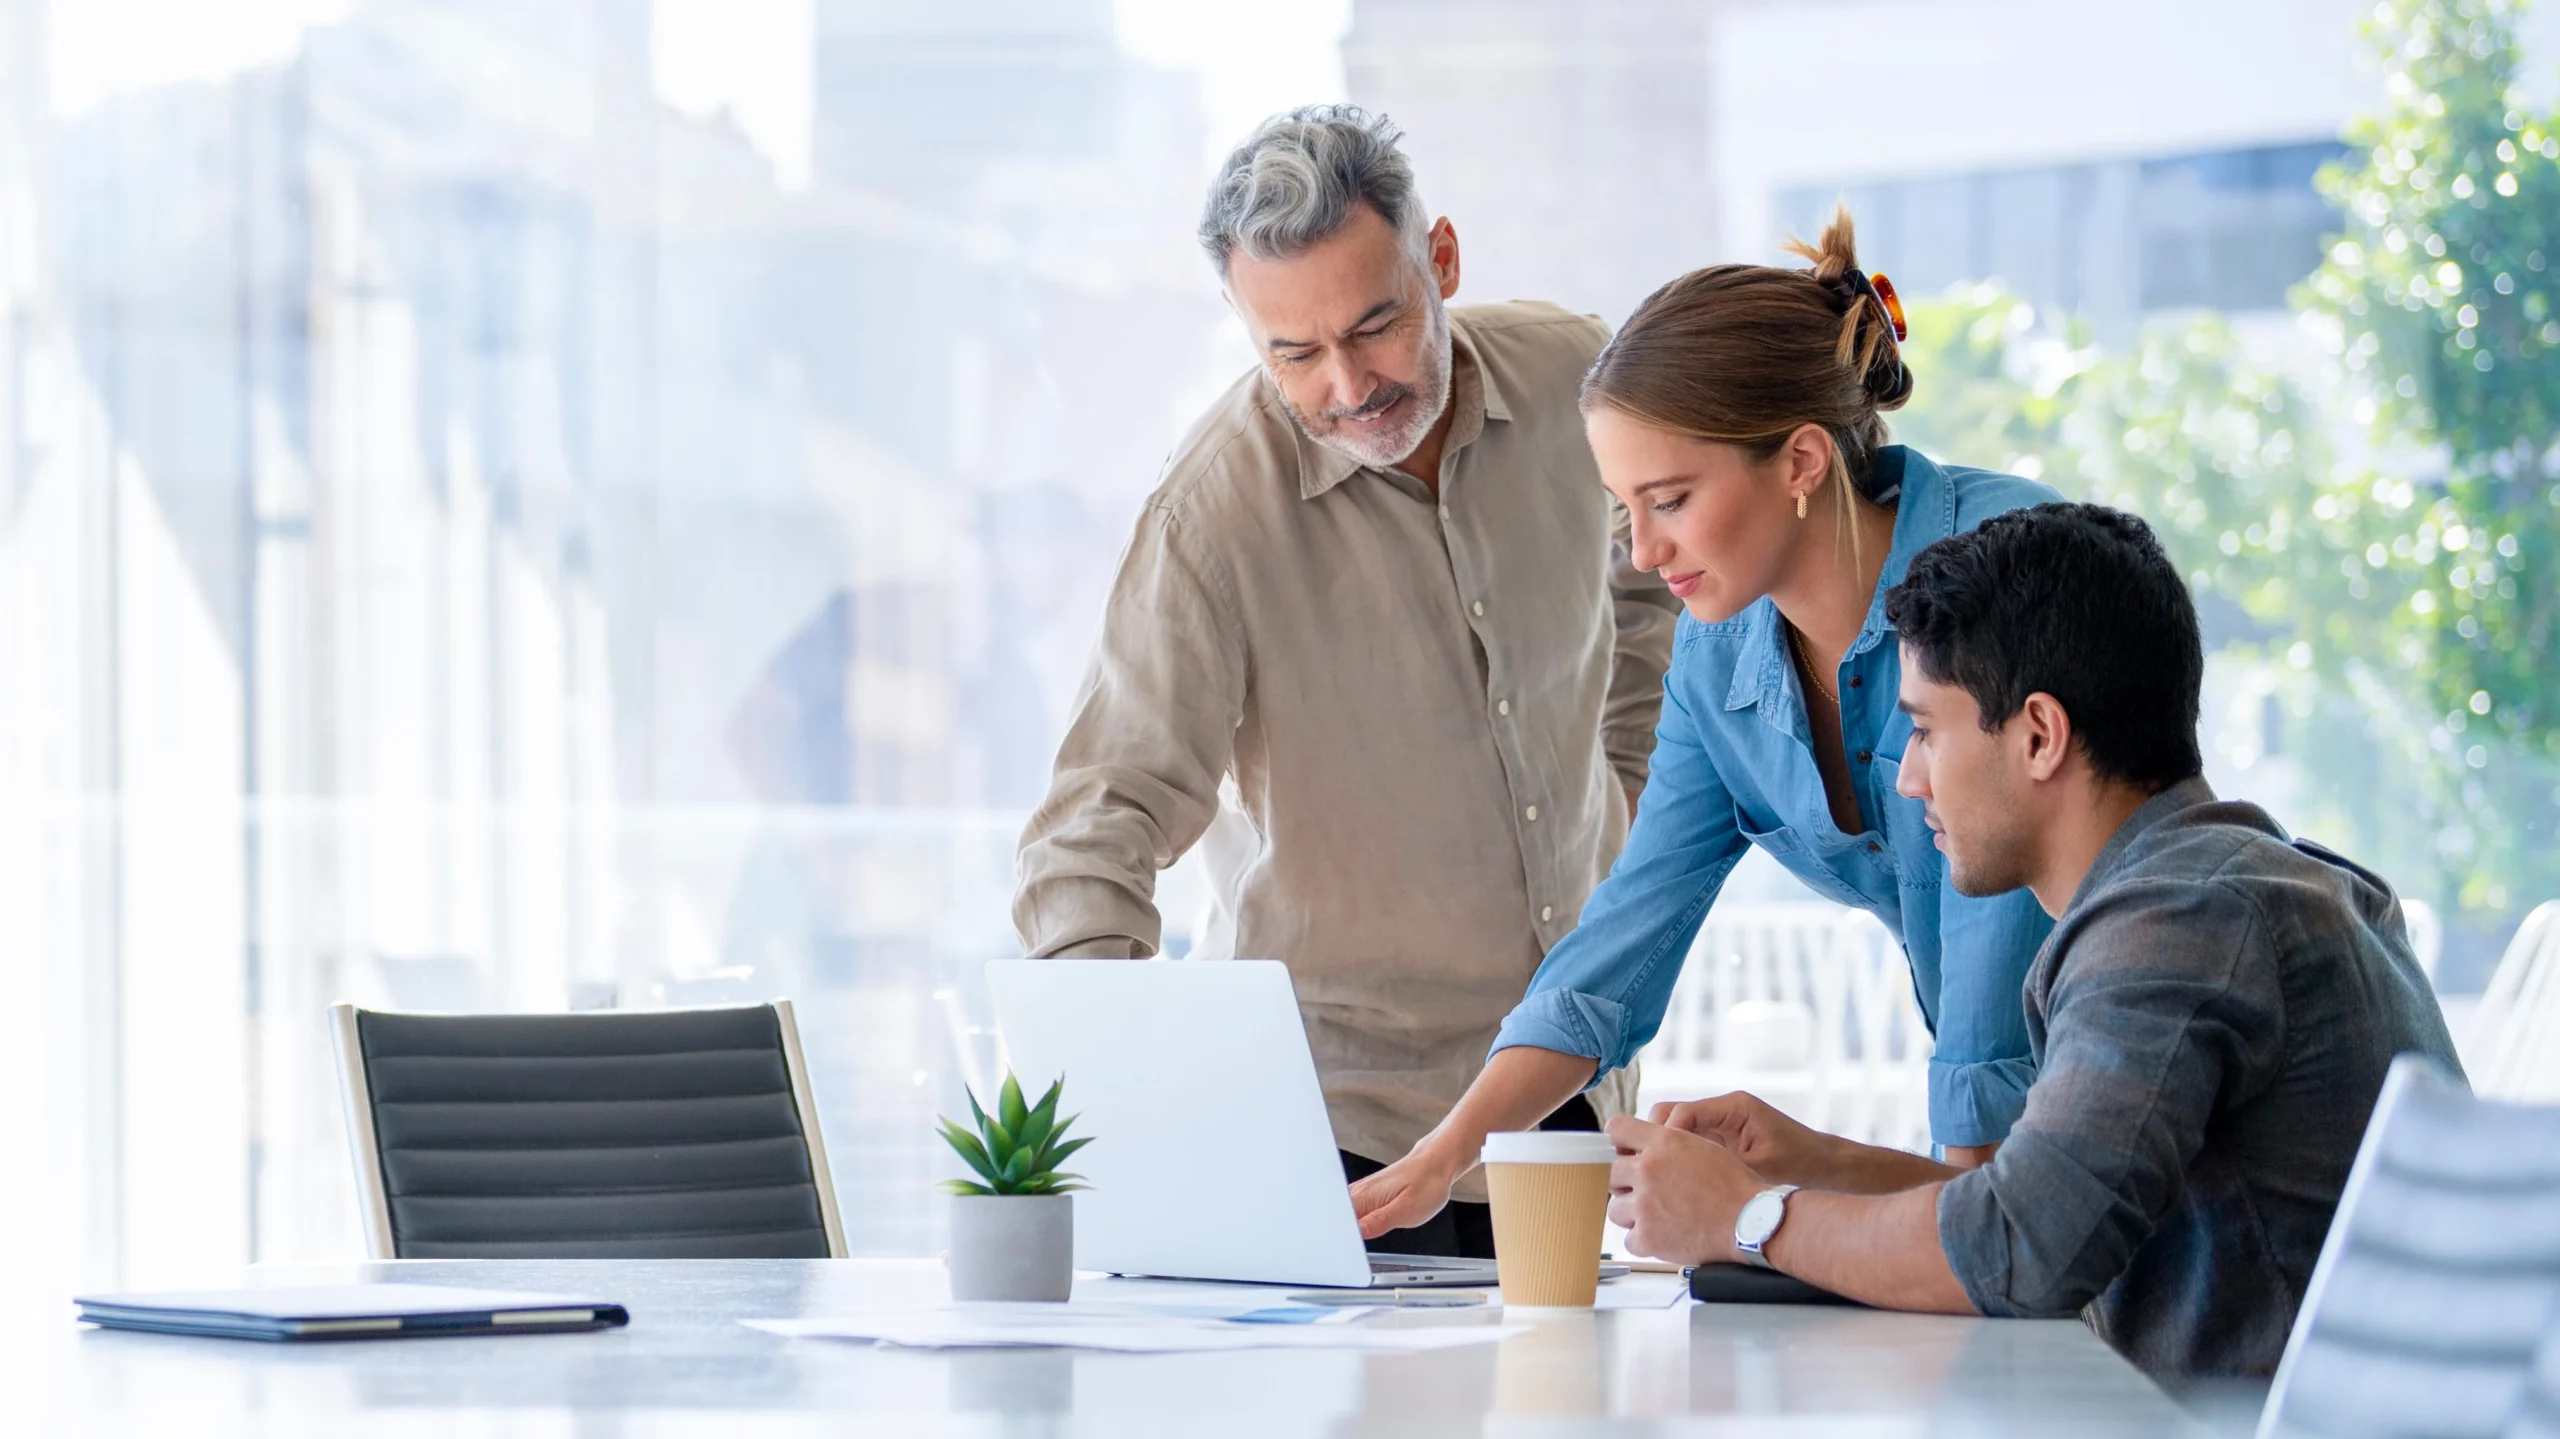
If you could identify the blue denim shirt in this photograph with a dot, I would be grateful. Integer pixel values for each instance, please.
(1733, 766)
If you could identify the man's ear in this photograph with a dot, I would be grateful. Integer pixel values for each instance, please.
(1443, 246)
(2044, 727)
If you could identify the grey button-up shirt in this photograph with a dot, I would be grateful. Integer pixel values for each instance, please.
(1431, 709)
(2211, 1020)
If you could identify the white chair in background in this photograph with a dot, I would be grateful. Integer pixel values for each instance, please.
(1879, 1060)
(2426, 935)
(2511, 1047)
(1808, 1006)
(1740, 1016)
(2424, 1311)
(2537, 1411)
(1764, 975)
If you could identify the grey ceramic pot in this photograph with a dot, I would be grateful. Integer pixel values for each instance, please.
(1012, 1246)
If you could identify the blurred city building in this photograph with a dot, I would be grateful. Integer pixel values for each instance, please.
(524, 551)
(2104, 169)
(1569, 144)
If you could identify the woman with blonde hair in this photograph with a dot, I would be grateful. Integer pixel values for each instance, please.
(1739, 417)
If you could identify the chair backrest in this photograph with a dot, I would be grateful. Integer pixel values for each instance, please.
(2537, 1411)
(1808, 1004)
(2513, 1048)
(2426, 935)
(660, 1134)
(1762, 952)
(1743, 953)
(1880, 1041)
(2444, 1258)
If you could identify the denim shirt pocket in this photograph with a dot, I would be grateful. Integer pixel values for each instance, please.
(1904, 821)
(1801, 859)
(1917, 862)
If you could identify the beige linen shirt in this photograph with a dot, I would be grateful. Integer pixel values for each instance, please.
(1431, 710)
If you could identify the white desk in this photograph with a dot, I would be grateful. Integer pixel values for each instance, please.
(685, 1366)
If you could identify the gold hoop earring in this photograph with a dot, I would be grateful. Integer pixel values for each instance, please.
(1800, 506)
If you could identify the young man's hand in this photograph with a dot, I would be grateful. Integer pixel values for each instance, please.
(1782, 1151)
(1777, 1149)
(1676, 1194)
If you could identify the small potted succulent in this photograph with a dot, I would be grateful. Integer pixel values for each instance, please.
(1013, 1230)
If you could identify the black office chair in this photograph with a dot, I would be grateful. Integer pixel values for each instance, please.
(643, 1134)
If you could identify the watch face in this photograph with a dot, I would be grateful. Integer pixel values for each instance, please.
(1759, 1218)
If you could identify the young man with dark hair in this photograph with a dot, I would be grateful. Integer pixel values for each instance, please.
(2211, 1018)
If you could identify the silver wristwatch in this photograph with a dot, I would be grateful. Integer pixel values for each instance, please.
(1758, 1222)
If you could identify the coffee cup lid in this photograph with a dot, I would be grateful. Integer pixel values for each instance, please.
(1537, 1146)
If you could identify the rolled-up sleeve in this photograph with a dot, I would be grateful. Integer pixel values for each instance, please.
(1137, 776)
(1980, 1068)
(1603, 989)
(2145, 1028)
(1647, 616)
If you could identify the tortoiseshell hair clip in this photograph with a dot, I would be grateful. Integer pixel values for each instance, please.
(1879, 289)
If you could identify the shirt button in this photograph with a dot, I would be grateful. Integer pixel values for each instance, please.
(1874, 848)
(1854, 681)
(1546, 912)
(1479, 608)
(1533, 813)
(1502, 707)
(1864, 756)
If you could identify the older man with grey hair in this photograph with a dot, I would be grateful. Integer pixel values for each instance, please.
(1377, 587)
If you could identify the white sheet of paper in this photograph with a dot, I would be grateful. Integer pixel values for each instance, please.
(1121, 1329)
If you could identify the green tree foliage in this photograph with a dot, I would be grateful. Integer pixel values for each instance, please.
(2381, 534)
(2235, 465)
(2441, 301)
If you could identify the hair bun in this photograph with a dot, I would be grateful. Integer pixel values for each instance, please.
(1834, 254)
(1889, 380)
(1747, 354)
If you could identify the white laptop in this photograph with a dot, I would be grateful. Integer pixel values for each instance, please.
(1212, 1157)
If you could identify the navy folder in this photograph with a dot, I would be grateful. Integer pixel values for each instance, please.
(357, 1311)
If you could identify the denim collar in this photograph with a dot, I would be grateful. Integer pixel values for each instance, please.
(1924, 515)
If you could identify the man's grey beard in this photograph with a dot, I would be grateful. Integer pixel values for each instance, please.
(1389, 448)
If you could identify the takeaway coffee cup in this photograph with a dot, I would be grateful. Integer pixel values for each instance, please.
(1550, 1206)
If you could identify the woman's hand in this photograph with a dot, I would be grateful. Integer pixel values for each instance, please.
(1405, 1193)
(1520, 1086)
(1777, 1149)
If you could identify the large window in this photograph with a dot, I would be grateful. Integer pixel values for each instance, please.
(2109, 240)
(493, 517)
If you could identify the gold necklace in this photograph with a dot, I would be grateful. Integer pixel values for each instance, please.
(1804, 665)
